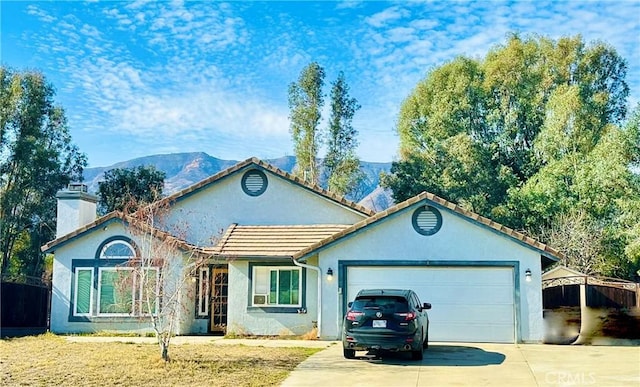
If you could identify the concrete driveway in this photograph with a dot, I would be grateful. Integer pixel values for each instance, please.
(461, 364)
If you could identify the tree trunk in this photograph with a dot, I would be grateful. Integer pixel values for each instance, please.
(163, 342)
(164, 351)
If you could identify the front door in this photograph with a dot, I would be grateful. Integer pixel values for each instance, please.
(219, 290)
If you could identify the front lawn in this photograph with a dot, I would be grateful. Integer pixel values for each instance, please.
(50, 360)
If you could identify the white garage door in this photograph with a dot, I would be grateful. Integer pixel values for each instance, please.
(469, 304)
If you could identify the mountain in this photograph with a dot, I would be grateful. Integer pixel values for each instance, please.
(378, 200)
(185, 169)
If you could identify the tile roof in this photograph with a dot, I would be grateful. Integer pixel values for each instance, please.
(114, 216)
(271, 241)
(220, 175)
(277, 171)
(297, 241)
(426, 196)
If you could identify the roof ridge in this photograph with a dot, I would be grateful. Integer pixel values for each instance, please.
(129, 219)
(318, 225)
(207, 180)
(272, 168)
(80, 230)
(315, 187)
(223, 241)
(445, 204)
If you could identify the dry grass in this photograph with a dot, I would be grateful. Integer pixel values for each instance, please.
(50, 360)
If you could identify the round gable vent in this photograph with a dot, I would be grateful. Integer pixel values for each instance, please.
(427, 220)
(254, 182)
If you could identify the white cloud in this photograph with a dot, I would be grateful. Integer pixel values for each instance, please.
(197, 110)
(204, 71)
(400, 35)
(40, 14)
(382, 19)
(90, 31)
(349, 4)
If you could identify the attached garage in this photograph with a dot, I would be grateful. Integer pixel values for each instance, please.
(470, 303)
(481, 278)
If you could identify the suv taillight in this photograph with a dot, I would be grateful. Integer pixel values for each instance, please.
(408, 316)
(353, 316)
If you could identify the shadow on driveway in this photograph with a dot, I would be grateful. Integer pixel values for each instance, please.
(439, 355)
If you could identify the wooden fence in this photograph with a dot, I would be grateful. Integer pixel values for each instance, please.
(610, 297)
(598, 292)
(561, 296)
(25, 308)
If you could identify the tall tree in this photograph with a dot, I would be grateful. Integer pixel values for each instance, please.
(124, 187)
(37, 158)
(447, 146)
(341, 164)
(532, 135)
(305, 104)
(596, 191)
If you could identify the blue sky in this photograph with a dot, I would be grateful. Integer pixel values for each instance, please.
(141, 78)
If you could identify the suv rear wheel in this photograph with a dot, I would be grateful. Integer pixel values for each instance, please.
(417, 355)
(349, 353)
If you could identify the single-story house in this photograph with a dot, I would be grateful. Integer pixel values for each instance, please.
(286, 257)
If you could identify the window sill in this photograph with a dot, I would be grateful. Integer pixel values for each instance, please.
(108, 319)
(276, 309)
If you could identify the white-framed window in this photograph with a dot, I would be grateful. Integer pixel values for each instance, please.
(83, 292)
(148, 290)
(117, 249)
(203, 291)
(121, 291)
(276, 286)
(115, 291)
(114, 283)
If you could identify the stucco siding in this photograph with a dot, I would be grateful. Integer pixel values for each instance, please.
(74, 213)
(84, 250)
(244, 320)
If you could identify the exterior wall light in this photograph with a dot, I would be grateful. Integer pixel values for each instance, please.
(527, 275)
(329, 274)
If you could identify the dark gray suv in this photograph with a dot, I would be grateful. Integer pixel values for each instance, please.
(381, 320)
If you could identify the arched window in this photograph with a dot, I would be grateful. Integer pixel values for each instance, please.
(117, 249)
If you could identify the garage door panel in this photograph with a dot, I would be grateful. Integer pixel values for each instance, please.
(463, 294)
(451, 314)
(473, 304)
(462, 333)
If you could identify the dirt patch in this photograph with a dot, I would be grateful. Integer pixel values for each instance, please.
(50, 360)
(561, 325)
(608, 326)
(605, 326)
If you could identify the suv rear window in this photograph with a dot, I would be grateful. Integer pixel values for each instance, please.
(385, 303)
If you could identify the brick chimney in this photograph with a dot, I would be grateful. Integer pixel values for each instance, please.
(76, 208)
